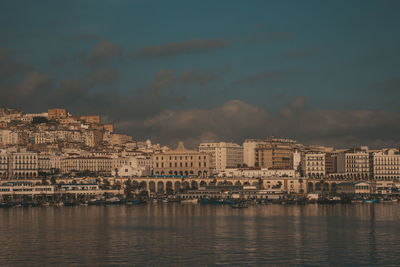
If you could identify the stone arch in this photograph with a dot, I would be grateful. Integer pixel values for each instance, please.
(229, 183)
(152, 186)
(175, 173)
(318, 187)
(326, 187)
(194, 185)
(310, 187)
(181, 173)
(254, 183)
(203, 183)
(162, 173)
(199, 174)
(186, 185)
(246, 183)
(205, 174)
(238, 183)
(160, 186)
(168, 186)
(177, 185)
(186, 173)
(220, 183)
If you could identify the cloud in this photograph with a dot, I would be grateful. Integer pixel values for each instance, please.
(272, 36)
(391, 85)
(76, 89)
(103, 52)
(301, 53)
(236, 120)
(263, 76)
(199, 77)
(179, 48)
(9, 65)
(30, 84)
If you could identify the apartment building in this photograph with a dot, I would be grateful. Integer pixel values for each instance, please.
(223, 155)
(182, 162)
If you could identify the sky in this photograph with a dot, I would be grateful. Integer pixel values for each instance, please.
(320, 72)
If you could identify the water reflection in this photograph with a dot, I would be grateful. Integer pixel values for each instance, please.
(174, 234)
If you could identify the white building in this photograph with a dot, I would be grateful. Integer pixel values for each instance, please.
(354, 164)
(223, 155)
(385, 165)
(249, 151)
(313, 165)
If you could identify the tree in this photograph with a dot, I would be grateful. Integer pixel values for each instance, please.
(128, 191)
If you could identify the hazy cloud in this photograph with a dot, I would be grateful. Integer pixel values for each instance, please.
(301, 53)
(71, 89)
(272, 36)
(263, 76)
(178, 48)
(104, 51)
(199, 77)
(9, 65)
(236, 120)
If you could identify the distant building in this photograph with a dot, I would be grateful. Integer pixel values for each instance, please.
(275, 154)
(91, 119)
(223, 155)
(57, 113)
(313, 165)
(182, 162)
(385, 165)
(354, 164)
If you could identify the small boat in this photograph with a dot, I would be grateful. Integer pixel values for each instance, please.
(371, 201)
(113, 200)
(189, 201)
(239, 206)
(165, 200)
(95, 202)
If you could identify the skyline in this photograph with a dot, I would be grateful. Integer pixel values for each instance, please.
(315, 72)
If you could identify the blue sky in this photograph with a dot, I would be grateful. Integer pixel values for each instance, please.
(131, 61)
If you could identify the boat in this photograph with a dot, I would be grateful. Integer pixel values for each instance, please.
(95, 202)
(239, 206)
(113, 200)
(190, 201)
(371, 201)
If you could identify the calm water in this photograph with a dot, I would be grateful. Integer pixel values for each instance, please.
(178, 234)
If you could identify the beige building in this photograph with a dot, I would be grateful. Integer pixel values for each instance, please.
(354, 164)
(223, 155)
(57, 113)
(4, 159)
(274, 155)
(313, 165)
(181, 162)
(120, 139)
(91, 164)
(249, 151)
(23, 165)
(385, 165)
(91, 119)
(109, 127)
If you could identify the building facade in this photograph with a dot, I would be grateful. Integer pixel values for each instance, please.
(313, 165)
(385, 165)
(181, 162)
(223, 155)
